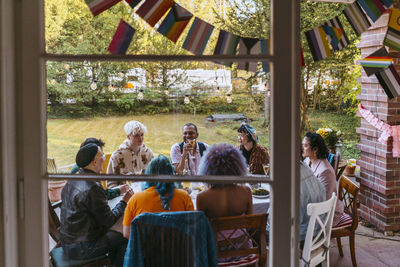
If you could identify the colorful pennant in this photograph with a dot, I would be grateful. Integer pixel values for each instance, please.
(198, 36)
(133, 3)
(335, 31)
(373, 8)
(392, 38)
(121, 39)
(98, 6)
(376, 61)
(248, 46)
(389, 79)
(387, 3)
(153, 10)
(318, 43)
(175, 22)
(226, 45)
(356, 18)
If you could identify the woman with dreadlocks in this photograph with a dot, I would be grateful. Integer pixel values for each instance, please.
(156, 196)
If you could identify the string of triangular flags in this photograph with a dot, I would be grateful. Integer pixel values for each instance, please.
(323, 40)
(172, 27)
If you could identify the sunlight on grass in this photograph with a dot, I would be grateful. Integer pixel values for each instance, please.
(66, 135)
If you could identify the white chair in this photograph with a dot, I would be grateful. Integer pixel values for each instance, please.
(316, 248)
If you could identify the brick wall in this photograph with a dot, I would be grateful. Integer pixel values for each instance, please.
(379, 171)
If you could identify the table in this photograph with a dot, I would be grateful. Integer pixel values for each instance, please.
(260, 205)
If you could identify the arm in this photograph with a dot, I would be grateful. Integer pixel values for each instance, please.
(126, 231)
(178, 159)
(130, 214)
(112, 193)
(98, 206)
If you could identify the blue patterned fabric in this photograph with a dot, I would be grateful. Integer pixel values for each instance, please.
(331, 157)
(193, 223)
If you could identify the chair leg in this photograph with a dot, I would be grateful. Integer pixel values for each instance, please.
(352, 251)
(339, 246)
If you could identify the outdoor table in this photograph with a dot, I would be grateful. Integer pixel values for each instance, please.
(260, 203)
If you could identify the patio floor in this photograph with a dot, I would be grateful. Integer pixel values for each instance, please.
(372, 249)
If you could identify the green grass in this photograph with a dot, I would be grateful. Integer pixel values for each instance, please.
(65, 135)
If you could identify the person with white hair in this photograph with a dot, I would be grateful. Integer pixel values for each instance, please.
(132, 156)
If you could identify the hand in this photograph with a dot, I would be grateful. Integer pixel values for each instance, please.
(123, 188)
(187, 148)
(129, 193)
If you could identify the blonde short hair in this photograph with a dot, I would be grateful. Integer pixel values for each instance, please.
(133, 127)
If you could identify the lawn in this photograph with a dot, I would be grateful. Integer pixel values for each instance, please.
(65, 135)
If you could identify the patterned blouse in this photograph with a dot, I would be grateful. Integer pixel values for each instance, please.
(259, 156)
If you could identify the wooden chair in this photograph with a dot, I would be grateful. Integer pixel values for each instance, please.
(250, 228)
(179, 239)
(348, 193)
(51, 165)
(57, 258)
(316, 246)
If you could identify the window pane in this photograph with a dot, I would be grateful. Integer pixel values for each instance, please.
(96, 99)
(71, 28)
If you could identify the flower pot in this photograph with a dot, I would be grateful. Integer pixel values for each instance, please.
(55, 188)
(350, 170)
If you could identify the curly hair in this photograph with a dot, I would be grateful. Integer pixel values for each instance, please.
(223, 159)
(317, 143)
(93, 140)
(133, 127)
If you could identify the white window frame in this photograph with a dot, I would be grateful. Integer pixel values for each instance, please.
(23, 208)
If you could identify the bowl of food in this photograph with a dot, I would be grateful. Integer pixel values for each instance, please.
(260, 193)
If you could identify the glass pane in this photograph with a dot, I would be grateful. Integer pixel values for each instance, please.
(97, 99)
(71, 27)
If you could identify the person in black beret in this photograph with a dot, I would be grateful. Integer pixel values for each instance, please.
(86, 218)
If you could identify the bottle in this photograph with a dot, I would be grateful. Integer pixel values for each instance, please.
(186, 171)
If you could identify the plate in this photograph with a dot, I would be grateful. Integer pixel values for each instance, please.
(261, 196)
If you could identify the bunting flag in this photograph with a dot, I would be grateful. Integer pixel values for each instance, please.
(318, 43)
(392, 38)
(249, 46)
(121, 39)
(175, 22)
(98, 6)
(226, 45)
(356, 18)
(198, 36)
(376, 61)
(133, 3)
(387, 3)
(335, 31)
(373, 8)
(265, 46)
(153, 10)
(389, 79)
(302, 61)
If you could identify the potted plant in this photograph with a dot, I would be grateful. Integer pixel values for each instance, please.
(331, 137)
(350, 167)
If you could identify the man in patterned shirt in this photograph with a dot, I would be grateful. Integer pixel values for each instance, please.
(132, 155)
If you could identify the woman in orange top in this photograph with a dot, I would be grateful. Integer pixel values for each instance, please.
(156, 197)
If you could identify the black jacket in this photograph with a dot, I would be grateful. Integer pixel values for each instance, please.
(85, 214)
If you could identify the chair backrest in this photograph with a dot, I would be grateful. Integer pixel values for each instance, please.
(348, 194)
(54, 222)
(105, 164)
(171, 239)
(315, 246)
(249, 227)
(51, 165)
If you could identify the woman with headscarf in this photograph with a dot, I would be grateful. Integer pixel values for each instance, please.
(156, 197)
(255, 154)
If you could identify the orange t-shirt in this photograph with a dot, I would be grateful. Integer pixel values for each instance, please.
(149, 201)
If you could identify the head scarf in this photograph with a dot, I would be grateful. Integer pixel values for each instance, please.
(250, 130)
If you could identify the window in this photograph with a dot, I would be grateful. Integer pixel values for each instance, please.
(31, 59)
